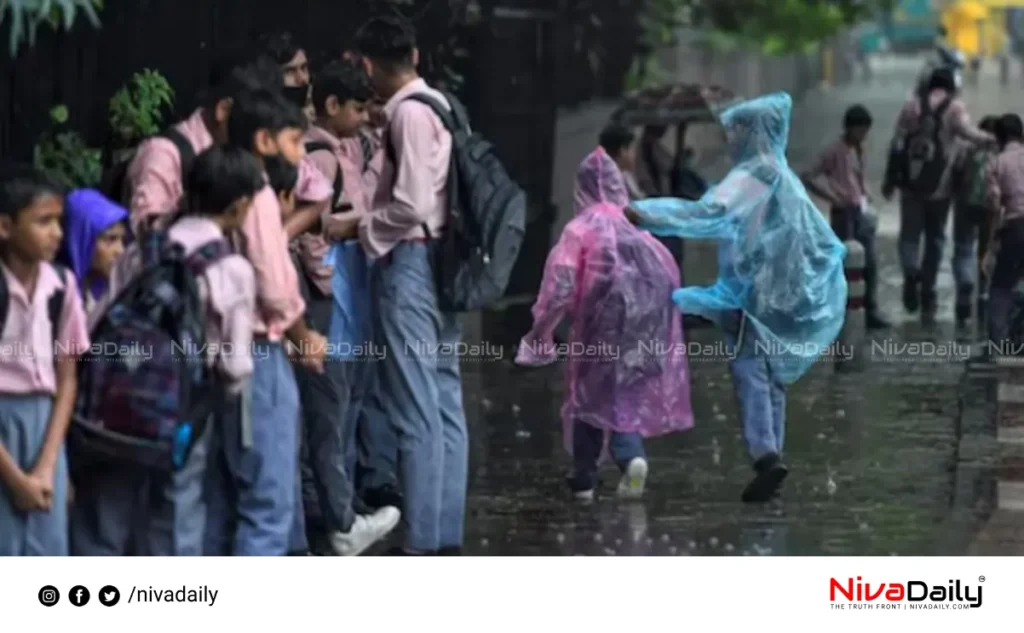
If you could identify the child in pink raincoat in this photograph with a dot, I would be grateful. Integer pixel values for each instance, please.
(627, 373)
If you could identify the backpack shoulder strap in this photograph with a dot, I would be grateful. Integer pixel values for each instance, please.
(185, 150)
(55, 305)
(208, 254)
(941, 110)
(449, 118)
(339, 174)
(5, 301)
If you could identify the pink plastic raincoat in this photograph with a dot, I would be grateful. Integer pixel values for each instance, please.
(626, 357)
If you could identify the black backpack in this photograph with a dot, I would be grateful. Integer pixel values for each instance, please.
(54, 305)
(925, 156)
(486, 220)
(115, 183)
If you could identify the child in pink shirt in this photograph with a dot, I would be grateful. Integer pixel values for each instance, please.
(42, 334)
(121, 509)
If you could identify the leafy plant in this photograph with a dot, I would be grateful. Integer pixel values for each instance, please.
(136, 110)
(66, 156)
(27, 16)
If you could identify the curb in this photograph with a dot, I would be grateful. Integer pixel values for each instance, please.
(1003, 532)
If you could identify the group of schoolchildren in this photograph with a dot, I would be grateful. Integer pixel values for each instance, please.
(272, 198)
(939, 162)
(329, 188)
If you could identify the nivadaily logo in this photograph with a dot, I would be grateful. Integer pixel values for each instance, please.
(913, 594)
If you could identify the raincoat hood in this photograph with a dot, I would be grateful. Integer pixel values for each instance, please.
(628, 372)
(87, 214)
(599, 181)
(758, 128)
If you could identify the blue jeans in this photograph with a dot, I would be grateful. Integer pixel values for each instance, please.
(762, 398)
(970, 237)
(371, 443)
(421, 395)
(23, 424)
(927, 219)
(587, 442)
(254, 486)
(123, 510)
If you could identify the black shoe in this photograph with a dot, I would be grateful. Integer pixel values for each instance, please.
(386, 495)
(911, 294)
(963, 314)
(876, 322)
(771, 472)
(450, 551)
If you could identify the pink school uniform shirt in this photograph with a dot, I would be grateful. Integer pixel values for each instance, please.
(417, 194)
(842, 167)
(227, 289)
(956, 123)
(1004, 183)
(313, 248)
(155, 172)
(372, 173)
(279, 303)
(27, 345)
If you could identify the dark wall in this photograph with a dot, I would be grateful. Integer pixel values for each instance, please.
(179, 38)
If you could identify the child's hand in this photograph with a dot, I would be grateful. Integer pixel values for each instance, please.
(313, 352)
(342, 226)
(32, 493)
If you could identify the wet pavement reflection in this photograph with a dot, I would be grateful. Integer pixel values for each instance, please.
(872, 455)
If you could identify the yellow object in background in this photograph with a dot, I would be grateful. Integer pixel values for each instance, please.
(978, 27)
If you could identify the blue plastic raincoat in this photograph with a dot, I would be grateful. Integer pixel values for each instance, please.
(779, 261)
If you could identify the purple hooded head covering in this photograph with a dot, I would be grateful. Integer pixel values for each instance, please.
(87, 214)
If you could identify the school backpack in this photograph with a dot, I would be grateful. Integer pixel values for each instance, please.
(925, 155)
(115, 184)
(973, 193)
(486, 220)
(146, 392)
(54, 305)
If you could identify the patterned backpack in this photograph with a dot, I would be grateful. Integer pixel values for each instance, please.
(145, 391)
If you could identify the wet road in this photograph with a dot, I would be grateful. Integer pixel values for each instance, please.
(873, 456)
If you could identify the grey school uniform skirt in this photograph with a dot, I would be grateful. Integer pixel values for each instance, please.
(23, 423)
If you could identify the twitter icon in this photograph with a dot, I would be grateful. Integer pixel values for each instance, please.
(109, 596)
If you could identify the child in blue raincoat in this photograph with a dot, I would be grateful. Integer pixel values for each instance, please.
(780, 297)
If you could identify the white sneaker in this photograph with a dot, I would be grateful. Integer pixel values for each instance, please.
(631, 486)
(584, 496)
(366, 530)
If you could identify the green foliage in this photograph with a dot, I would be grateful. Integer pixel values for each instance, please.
(66, 156)
(136, 110)
(26, 16)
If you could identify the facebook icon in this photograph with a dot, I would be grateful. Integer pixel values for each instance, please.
(79, 596)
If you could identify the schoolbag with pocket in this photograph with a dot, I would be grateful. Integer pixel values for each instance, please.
(486, 216)
(115, 184)
(146, 392)
(926, 157)
(54, 305)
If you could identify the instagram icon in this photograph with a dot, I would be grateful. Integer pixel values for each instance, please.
(49, 596)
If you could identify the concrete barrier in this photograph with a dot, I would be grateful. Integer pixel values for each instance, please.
(851, 338)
